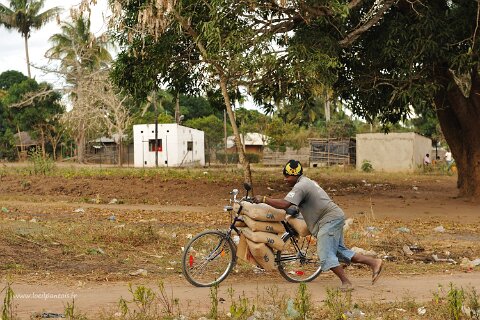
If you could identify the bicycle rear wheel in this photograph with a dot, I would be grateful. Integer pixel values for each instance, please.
(208, 258)
(298, 261)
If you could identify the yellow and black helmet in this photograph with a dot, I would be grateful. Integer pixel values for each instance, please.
(293, 168)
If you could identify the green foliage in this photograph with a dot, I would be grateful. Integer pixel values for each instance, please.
(253, 157)
(11, 77)
(41, 165)
(250, 121)
(40, 110)
(303, 301)
(366, 166)
(72, 313)
(143, 298)
(145, 304)
(240, 309)
(8, 307)
(213, 129)
(193, 107)
(337, 303)
(473, 303)
(213, 314)
(230, 157)
(455, 299)
(77, 48)
(168, 303)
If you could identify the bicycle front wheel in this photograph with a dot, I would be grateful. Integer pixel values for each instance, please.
(208, 258)
(298, 261)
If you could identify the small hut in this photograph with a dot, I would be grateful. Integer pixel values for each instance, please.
(23, 143)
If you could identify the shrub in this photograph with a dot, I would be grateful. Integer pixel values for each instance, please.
(41, 165)
(367, 166)
(252, 157)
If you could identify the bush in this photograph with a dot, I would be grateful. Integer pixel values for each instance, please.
(367, 166)
(231, 157)
(253, 157)
(40, 164)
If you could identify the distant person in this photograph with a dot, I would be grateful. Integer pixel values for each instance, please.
(426, 160)
(324, 220)
(448, 157)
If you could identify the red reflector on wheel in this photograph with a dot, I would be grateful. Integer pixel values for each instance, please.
(190, 260)
(299, 273)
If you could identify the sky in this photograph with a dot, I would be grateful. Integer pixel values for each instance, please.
(12, 49)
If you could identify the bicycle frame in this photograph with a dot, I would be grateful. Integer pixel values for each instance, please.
(289, 234)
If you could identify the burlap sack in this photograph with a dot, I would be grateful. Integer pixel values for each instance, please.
(262, 212)
(262, 254)
(240, 223)
(272, 227)
(299, 225)
(272, 240)
(243, 251)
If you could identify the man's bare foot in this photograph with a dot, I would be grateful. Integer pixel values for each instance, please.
(377, 270)
(345, 287)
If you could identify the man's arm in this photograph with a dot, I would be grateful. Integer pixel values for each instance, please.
(276, 203)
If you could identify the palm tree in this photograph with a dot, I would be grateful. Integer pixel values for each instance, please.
(81, 56)
(24, 15)
(77, 48)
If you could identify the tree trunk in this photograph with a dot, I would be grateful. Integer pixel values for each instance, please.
(177, 108)
(27, 55)
(241, 152)
(80, 141)
(120, 150)
(459, 118)
(54, 147)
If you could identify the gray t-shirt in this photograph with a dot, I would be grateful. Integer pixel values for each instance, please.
(315, 205)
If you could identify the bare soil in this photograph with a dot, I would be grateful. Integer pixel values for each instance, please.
(73, 233)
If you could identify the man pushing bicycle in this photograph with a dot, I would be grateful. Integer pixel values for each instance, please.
(324, 220)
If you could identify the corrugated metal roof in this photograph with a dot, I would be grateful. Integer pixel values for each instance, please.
(249, 139)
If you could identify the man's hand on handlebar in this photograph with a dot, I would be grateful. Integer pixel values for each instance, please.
(259, 199)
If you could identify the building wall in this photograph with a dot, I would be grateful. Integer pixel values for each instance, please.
(173, 145)
(422, 146)
(392, 152)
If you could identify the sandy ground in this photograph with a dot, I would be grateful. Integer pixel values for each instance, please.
(92, 298)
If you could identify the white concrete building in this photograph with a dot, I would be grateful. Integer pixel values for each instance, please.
(392, 152)
(178, 146)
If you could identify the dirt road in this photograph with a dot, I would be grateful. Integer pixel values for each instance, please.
(92, 298)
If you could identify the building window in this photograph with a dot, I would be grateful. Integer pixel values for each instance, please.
(189, 145)
(151, 145)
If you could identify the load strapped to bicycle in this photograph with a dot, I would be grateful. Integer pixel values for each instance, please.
(259, 234)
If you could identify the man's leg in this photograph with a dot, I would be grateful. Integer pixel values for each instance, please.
(373, 263)
(340, 273)
(328, 241)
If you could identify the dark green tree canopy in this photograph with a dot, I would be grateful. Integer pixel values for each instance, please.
(9, 78)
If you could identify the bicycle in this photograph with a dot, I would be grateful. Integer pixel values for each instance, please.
(210, 256)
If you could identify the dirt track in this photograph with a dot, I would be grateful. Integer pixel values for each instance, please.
(94, 297)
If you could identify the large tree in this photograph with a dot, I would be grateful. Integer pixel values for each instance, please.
(25, 15)
(423, 53)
